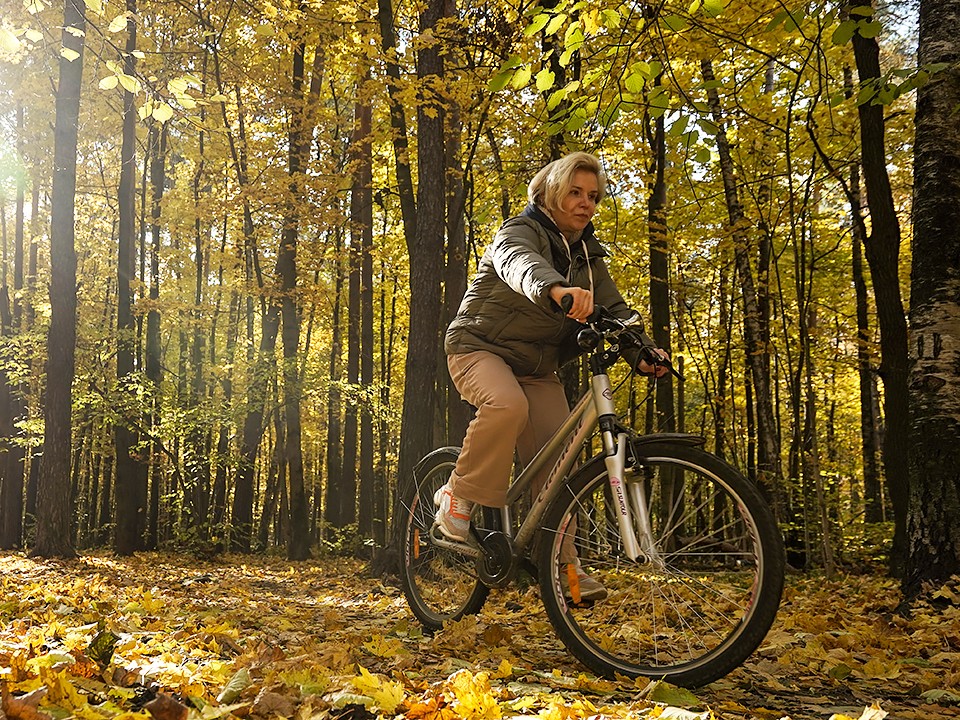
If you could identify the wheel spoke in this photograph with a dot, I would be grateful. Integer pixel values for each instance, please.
(440, 584)
(696, 611)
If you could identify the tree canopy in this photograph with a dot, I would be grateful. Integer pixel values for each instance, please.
(310, 184)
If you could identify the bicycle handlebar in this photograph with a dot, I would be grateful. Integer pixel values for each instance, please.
(603, 324)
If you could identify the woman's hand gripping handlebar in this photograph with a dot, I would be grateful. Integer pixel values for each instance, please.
(601, 324)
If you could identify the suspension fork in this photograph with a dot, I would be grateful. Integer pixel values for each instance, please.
(615, 459)
(629, 498)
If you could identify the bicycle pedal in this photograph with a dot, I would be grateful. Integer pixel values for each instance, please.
(438, 538)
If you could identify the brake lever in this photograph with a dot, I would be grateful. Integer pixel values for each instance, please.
(655, 359)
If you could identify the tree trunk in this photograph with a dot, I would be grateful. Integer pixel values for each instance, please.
(54, 510)
(398, 120)
(334, 398)
(769, 472)
(872, 489)
(933, 519)
(153, 359)
(299, 544)
(12, 471)
(131, 498)
(883, 255)
(348, 478)
(425, 251)
(458, 413)
(362, 211)
(660, 274)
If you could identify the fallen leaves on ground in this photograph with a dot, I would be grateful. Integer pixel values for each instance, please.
(164, 637)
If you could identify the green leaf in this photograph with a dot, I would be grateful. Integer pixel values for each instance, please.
(577, 119)
(659, 101)
(573, 38)
(844, 32)
(713, 8)
(679, 126)
(664, 692)
(521, 77)
(555, 24)
(556, 97)
(610, 19)
(545, 79)
(777, 20)
(867, 93)
(538, 23)
(240, 681)
(861, 10)
(499, 81)
(703, 155)
(870, 29)
(675, 23)
(610, 115)
(9, 43)
(100, 649)
(642, 68)
(837, 99)
(708, 126)
(635, 82)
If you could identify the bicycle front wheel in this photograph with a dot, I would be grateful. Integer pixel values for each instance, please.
(440, 584)
(694, 610)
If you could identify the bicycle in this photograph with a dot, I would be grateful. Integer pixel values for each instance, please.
(687, 548)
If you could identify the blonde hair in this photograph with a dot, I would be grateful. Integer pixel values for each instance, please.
(552, 183)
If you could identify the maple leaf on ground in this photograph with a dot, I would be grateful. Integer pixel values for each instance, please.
(384, 694)
(23, 707)
(164, 707)
(474, 696)
(435, 708)
(874, 712)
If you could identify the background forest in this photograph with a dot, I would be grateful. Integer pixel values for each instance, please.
(276, 207)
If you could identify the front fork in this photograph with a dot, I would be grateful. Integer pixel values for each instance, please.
(630, 499)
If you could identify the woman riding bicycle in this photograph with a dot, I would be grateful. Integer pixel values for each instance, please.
(510, 336)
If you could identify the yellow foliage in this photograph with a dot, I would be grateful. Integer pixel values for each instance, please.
(384, 647)
(474, 697)
(386, 694)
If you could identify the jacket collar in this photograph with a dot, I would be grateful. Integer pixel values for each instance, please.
(588, 235)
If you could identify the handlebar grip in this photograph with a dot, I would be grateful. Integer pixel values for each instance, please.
(566, 303)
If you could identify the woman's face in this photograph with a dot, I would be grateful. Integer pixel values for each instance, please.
(580, 203)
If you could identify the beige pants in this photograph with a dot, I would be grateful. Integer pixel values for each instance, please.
(512, 413)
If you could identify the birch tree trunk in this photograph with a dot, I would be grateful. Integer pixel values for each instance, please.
(933, 518)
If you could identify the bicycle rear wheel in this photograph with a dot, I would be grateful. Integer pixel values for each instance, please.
(440, 584)
(698, 612)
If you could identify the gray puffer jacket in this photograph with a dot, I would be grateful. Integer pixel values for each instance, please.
(507, 309)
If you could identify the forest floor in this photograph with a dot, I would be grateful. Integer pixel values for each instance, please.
(170, 637)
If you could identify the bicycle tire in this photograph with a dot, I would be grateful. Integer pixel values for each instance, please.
(440, 585)
(706, 609)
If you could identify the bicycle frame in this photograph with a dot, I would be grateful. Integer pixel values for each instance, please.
(592, 409)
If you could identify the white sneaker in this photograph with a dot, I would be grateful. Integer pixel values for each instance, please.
(579, 587)
(453, 514)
